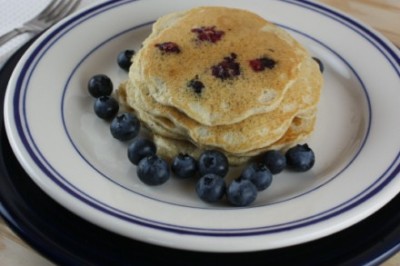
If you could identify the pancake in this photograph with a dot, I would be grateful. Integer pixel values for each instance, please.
(299, 130)
(252, 133)
(164, 127)
(232, 90)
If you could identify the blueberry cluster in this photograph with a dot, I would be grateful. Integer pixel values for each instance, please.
(212, 165)
(151, 169)
(256, 177)
(100, 87)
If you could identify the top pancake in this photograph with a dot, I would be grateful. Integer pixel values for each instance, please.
(221, 101)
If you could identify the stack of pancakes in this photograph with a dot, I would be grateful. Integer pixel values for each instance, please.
(227, 80)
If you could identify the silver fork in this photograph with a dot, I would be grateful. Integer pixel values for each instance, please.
(53, 12)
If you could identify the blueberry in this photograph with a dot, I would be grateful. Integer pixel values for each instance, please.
(241, 192)
(100, 85)
(168, 47)
(196, 85)
(153, 170)
(258, 174)
(106, 107)
(300, 158)
(184, 166)
(125, 126)
(210, 187)
(226, 69)
(209, 34)
(274, 160)
(320, 64)
(139, 149)
(213, 162)
(259, 64)
(124, 59)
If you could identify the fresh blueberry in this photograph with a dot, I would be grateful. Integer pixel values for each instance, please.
(153, 170)
(124, 59)
(258, 174)
(320, 64)
(125, 126)
(139, 149)
(213, 162)
(100, 85)
(210, 187)
(184, 166)
(300, 158)
(106, 107)
(241, 192)
(274, 160)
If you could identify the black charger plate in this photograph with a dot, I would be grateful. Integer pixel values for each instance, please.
(65, 238)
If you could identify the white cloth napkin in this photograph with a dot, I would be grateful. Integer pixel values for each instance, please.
(14, 13)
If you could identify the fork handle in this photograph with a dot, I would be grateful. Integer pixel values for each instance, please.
(9, 35)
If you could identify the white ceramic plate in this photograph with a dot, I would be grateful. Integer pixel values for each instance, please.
(71, 155)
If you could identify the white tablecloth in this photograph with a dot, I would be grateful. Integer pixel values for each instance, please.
(13, 13)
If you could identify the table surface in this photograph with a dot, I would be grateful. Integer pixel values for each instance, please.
(383, 15)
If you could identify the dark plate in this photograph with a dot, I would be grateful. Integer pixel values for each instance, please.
(65, 238)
